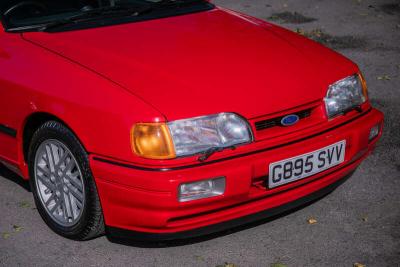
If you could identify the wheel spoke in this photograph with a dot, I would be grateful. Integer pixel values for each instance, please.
(57, 204)
(75, 193)
(50, 158)
(74, 182)
(46, 161)
(64, 208)
(46, 182)
(68, 167)
(43, 170)
(68, 207)
(62, 160)
(77, 203)
(55, 150)
(52, 197)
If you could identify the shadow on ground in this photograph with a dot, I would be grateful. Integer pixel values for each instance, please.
(11, 176)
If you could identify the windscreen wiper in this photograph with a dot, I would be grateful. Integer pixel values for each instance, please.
(208, 153)
(107, 12)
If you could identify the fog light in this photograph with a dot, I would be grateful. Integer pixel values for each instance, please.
(202, 189)
(374, 132)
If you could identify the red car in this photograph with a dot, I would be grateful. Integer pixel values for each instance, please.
(168, 119)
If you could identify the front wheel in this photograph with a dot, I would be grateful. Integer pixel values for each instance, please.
(62, 183)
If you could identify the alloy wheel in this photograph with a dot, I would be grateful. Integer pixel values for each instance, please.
(59, 183)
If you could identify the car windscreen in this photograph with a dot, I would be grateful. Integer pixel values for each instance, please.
(64, 15)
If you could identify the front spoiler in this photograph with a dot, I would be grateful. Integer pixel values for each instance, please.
(122, 234)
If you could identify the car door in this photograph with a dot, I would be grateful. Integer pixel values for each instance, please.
(8, 103)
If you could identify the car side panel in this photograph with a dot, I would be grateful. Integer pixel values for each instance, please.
(8, 140)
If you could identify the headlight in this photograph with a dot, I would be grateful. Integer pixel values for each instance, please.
(200, 134)
(190, 137)
(345, 95)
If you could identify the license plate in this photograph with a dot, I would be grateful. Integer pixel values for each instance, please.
(293, 169)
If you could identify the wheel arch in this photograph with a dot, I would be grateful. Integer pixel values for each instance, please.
(32, 123)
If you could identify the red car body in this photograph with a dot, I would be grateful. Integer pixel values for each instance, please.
(100, 82)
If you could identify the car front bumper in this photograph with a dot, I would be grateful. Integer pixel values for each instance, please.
(144, 201)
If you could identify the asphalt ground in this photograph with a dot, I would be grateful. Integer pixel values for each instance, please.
(357, 223)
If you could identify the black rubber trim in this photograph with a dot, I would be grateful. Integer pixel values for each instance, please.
(130, 166)
(8, 131)
(219, 227)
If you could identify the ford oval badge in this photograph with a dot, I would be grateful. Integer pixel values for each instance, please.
(290, 120)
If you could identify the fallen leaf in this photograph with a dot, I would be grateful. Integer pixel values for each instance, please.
(199, 258)
(384, 78)
(358, 265)
(278, 265)
(6, 235)
(227, 265)
(17, 228)
(24, 204)
(300, 31)
(312, 221)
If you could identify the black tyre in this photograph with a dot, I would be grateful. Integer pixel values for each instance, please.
(62, 183)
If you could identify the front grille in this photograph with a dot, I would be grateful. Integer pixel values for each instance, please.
(265, 124)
